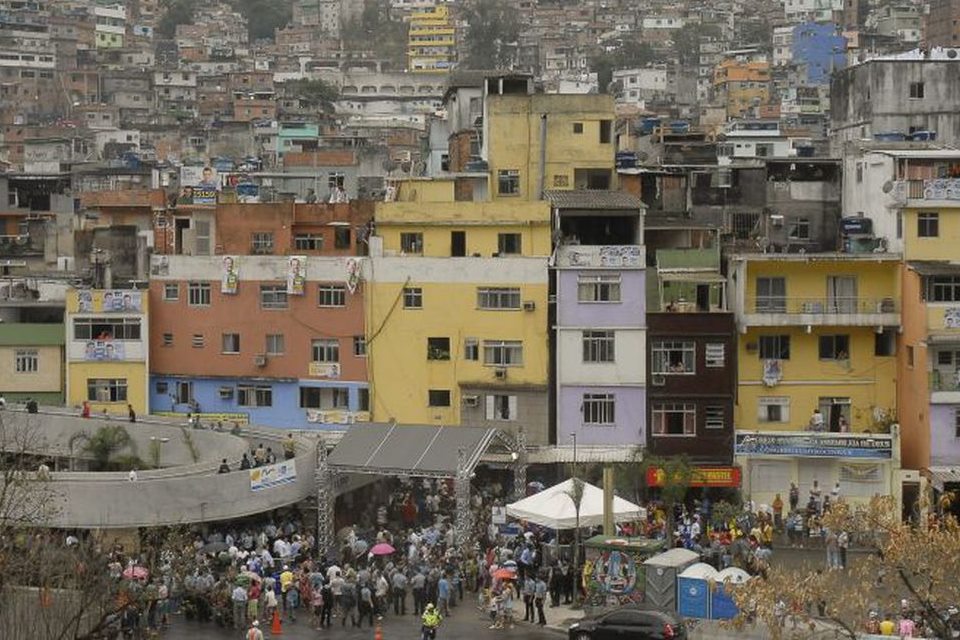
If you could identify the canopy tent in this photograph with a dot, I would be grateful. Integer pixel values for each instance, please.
(554, 508)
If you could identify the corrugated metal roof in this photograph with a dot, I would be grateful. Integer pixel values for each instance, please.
(593, 199)
(934, 268)
(942, 476)
(23, 334)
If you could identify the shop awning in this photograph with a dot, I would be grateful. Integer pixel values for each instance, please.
(940, 477)
(409, 450)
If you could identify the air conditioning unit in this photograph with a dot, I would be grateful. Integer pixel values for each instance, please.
(529, 305)
(260, 360)
(500, 373)
(658, 381)
(471, 401)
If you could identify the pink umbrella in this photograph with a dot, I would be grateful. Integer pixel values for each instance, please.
(135, 573)
(382, 549)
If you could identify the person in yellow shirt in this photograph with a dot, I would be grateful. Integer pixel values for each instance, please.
(887, 627)
(286, 580)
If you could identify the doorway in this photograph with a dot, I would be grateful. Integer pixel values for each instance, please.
(836, 414)
(458, 244)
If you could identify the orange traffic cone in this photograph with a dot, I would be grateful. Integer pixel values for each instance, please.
(276, 627)
(378, 632)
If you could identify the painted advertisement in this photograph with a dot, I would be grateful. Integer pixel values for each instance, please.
(273, 475)
(809, 445)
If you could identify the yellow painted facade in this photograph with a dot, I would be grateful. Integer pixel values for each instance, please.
(48, 377)
(107, 350)
(431, 40)
(943, 246)
(847, 368)
(580, 142)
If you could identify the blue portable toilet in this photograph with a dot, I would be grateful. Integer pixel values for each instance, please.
(693, 590)
(722, 606)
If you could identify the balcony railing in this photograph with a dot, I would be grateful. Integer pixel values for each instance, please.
(944, 381)
(938, 189)
(821, 306)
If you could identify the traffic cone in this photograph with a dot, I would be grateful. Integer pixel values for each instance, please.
(378, 632)
(276, 627)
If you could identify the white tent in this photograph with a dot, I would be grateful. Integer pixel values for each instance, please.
(554, 508)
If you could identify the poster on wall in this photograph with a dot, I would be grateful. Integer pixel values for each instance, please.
(273, 475)
(296, 275)
(231, 275)
(109, 301)
(354, 270)
(103, 350)
(199, 185)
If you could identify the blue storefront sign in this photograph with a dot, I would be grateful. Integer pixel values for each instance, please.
(814, 445)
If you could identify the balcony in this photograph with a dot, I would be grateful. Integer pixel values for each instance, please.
(576, 256)
(928, 192)
(851, 312)
(944, 387)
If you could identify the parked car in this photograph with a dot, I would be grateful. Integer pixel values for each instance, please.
(636, 622)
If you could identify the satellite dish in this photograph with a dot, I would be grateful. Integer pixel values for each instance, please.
(951, 53)
(887, 186)
(389, 165)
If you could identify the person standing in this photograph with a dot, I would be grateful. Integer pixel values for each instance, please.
(778, 513)
(326, 612)
(794, 496)
(239, 597)
(254, 633)
(833, 550)
(399, 593)
(539, 596)
(365, 604)
(348, 602)
(527, 589)
(443, 595)
(843, 542)
(417, 583)
(131, 414)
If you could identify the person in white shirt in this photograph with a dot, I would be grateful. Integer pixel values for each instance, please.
(132, 476)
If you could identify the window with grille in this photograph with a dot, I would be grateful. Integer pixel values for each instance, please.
(715, 353)
(261, 243)
(714, 417)
(928, 225)
(275, 344)
(27, 361)
(773, 409)
(799, 229)
(308, 242)
(598, 346)
(498, 297)
(509, 244)
(359, 346)
(333, 295)
(326, 350)
(106, 328)
(942, 288)
(599, 408)
(198, 294)
(503, 353)
(674, 419)
(438, 397)
(254, 395)
(273, 296)
(171, 291)
(471, 349)
(674, 357)
(600, 288)
(411, 243)
(508, 182)
(107, 390)
(412, 298)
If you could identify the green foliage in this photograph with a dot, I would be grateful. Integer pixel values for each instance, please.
(105, 445)
(376, 30)
(723, 512)
(265, 16)
(491, 33)
(313, 93)
(686, 42)
(629, 54)
(175, 12)
(191, 445)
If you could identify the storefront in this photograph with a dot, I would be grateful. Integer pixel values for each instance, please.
(864, 464)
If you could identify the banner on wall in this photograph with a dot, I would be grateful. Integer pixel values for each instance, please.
(103, 350)
(354, 272)
(109, 301)
(273, 475)
(231, 275)
(198, 185)
(296, 275)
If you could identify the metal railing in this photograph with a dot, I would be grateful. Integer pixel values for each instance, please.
(821, 306)
(944, 381)
(937, 189)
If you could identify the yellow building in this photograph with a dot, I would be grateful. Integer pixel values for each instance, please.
(549, 141)
(32, 355)
(740, 86)
(431, 40)
(107, 349)
(817, 332)
(456, 311)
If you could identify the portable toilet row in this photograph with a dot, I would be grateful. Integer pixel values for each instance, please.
(662, 571)
(701, 591)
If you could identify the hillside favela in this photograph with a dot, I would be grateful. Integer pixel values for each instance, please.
(479, 319)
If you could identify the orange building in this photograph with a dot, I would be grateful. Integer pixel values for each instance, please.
(741, 86)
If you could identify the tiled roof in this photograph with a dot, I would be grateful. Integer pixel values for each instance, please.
(593, 199)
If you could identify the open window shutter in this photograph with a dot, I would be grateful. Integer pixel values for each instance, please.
(512, 402)
(490, 407)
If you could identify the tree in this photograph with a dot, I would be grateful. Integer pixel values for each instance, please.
(675, 474)
(492, 34)
(264, 17)
(918, 563)
(315, 94)
(686, 41)
(175, 12)
(376, 29)
(629, 54)
(105, 445)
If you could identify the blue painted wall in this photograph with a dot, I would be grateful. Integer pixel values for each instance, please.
(821, 48)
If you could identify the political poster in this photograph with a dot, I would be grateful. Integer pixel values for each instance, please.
(199, 185)
(230, 278)
(103, 350)
(296, 275)
(273, 475)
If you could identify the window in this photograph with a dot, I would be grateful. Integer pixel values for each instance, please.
(230, 343)
(471, 349)
(341, 238)
(161, 388)
(197, 341)
(910, 359)
(928, 225)
(333, 295)
(106, 329)
(942, 288)
(107, 390)
(799, 229)
(916, 90)
(438, 397)
(771, 295)
(714, 354)
(167, 340)
(498, 298)
(254, 395)
(835, 347)
(324, 397)
(27, 361)
(261, 243)
(326, 350)
(601, 288)
(764, 149)
(308, 242)
(412, 298)
(508, 182)
(578, 127)
(774, 409)
(508, 244)
(674, 419)
(885, 343)
(275, 344)
(714, 416)
(501, 407)
(503, 353)
(335, 180)
(359, 346)
(411, 243)
(171, 291)
(438, 348)
(599, 408)
(598, 346)
(363, 399)
(674, 357)
(198, 294)
(273, 296)
(606, 131)
(774, 347)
